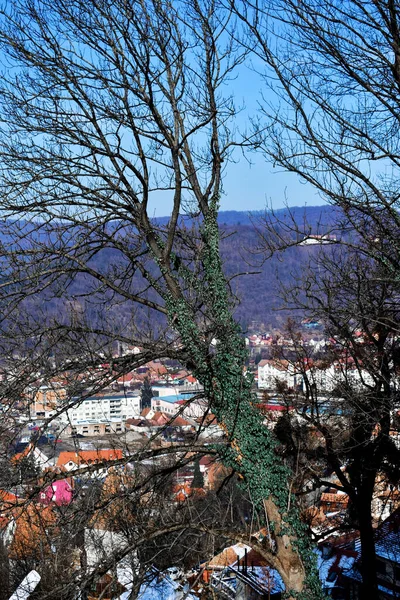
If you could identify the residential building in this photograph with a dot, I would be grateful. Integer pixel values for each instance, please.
(101, 414)
(271, 372)
(70, 461)
(387, 548)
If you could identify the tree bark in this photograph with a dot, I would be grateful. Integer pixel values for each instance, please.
(368, 556)
(291, 566)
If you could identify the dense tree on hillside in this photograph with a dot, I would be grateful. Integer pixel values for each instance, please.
(102, 112)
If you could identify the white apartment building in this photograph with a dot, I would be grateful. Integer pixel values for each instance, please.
(270, 372)
(102, 409)
(325, 379)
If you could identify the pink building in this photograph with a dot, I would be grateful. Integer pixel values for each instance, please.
(59, 493)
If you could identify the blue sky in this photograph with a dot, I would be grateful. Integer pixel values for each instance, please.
(253, 187)
(251, 183)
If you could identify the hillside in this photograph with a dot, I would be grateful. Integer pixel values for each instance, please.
(259, 305)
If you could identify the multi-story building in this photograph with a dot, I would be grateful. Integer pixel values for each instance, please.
(325, 378)
(179, 402)
(45, 400)
(103, 413)
(271, 372)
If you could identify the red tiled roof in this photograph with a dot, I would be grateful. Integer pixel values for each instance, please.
(179, 422)
(126, 377)
(335, 498)
(88, 456)
(8, 499)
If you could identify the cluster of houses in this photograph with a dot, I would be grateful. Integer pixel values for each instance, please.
(95, 414)
(326, 378)
(236, 572)
(176, 410)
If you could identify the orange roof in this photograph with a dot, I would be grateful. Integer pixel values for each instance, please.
(88, 456)
(160, 418)
(25, 452)
(156, 368)
(126, 377)
(35, 527)
(7, 496)
(337, 498)
(180, 422)
(22, 454)
(7, 501)
(226, 558)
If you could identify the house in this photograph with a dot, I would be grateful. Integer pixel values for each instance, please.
(59, 492)
(31, 452)
(240, 573)
(70, 461)
(228, 557)
(273, 372)
(46, 399)
(252, 579)
(387, 548)
(334, 500)
(127, 380)
(171, 404)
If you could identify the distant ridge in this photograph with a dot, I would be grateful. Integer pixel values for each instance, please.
(312, 214)
(257, 289)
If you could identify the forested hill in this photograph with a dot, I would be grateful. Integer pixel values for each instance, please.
(259, 305)
(260, 301)
(313, 215)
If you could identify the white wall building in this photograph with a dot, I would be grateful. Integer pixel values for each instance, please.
(103, 409)
(270, 372)
(172, 404)
(325, 379)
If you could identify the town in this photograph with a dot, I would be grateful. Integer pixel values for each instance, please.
(199, 300)
(99, 447)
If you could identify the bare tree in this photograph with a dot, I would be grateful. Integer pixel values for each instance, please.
(107, 106)
(350, 389)
(335, 69)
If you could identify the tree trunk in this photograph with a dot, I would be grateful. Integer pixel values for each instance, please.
(291, 565)
(368, 556)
